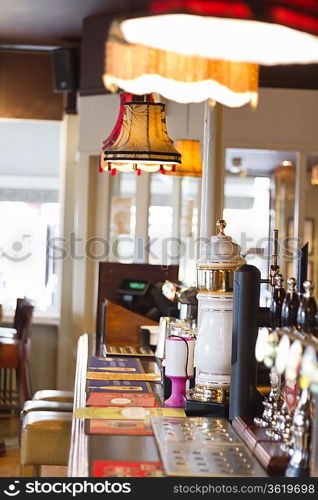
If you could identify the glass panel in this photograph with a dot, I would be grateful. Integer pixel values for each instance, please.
(260, 196)
(189, 228)
(311, 219)
(122, 217)
(29, 212)
(26, 229)
(160, 219)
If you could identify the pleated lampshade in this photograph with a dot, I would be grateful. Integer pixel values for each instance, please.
(140, 70)
(124, 97)
(191, 165)
(314, 175)
(143, 142)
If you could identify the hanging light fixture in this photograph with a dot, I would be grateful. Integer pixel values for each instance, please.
(193, 50)
(142, 70)
(314, 175)
(143, 143)
(191, 165)
(114, 133)
(265, 32)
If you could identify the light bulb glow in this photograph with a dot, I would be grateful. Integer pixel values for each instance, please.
(220, 38)
(128, 167)
(182, 92)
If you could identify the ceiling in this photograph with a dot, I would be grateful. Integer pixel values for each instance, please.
(53, 22)
(259, 161)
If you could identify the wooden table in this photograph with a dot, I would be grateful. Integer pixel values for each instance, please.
(87, 448)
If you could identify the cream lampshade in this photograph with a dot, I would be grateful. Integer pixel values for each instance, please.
(191, 164)
(314, 175)
(143, 143)
(142, 70)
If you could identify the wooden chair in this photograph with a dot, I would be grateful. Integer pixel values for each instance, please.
(15, 332)
(15, 385)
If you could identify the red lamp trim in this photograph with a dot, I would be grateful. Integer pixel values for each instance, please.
(301, 15)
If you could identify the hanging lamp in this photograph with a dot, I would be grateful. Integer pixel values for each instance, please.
(114, 133)
(143, 143)
(139, 69)
(314, 175)
(191, 164)
(264, 32)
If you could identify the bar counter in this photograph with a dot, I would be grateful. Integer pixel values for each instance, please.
(87, 448)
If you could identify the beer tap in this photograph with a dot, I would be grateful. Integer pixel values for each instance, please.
(290, 305)
(278, 297)
(307, 311)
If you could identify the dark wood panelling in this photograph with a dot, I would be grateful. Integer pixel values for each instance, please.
(290, 76)
(26, 87)
(122, 327)
(112, 273)
(95, 30)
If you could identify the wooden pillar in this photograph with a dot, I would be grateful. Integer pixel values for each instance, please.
(142, 215)
(70, 131)
(176, 208)
(212, 190)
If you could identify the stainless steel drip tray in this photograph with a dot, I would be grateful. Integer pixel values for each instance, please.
(200, 446)
(201, 430)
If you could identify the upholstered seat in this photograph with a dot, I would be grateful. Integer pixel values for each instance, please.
(43, 405)
(45, 439)
(53, 395)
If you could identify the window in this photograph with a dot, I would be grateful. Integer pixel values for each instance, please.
(256, 201)
(160, 218)
(29, 212)
(122, 217)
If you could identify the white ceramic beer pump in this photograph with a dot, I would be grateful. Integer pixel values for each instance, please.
(215, 275)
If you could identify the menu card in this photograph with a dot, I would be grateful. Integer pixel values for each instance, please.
(107, 468)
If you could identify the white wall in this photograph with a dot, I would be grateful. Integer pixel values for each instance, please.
(284, 118)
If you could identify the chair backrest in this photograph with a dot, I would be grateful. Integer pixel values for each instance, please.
(18, 311)
(25, 323)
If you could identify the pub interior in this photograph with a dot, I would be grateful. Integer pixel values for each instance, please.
(159, 238)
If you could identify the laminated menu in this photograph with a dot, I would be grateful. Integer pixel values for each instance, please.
(119, 386)
(107, 468)
(126, 413)
(121, 399)
(115, 365)
(114, 426)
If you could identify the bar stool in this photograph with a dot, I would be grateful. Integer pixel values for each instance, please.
(54, 395)
(45, 440)
(41, 405)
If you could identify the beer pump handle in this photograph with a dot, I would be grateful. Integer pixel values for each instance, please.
(302, 268)
(245, 399)
(274, 268)
(278, 296)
